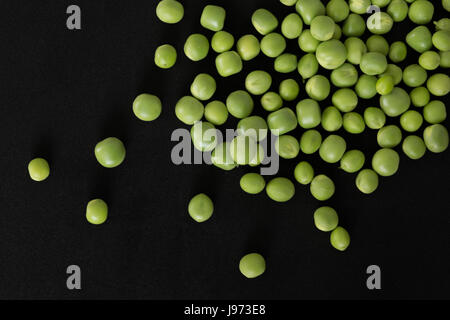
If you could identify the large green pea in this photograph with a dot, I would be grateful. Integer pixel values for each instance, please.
(385, 162)
(201, 207)
(435, 112)
(304, 172)
(326, 219)
(419, 39)
(376, 43)
(344, 76)
(308, 113)
(414, 147)
(385, 84)
(309, 9)
(380, 23)
(439, 84)
(222, 41)
(271, 101)
(165, 56)
(273, 44)
(252, 265)
(411, 121)
(310, 141)
(331, 119)
(359, 6)
(398, 10)
(367, 181)
(96, 211)
(414, 75)
(239, 104)
(110, 152)
(282, 121)
(243, 149)
(436, 138)
(38, 169)
(228, 63)
(322, 28)
(389, 136)
(258, 82)
(285, 63)
(204, 136)
(353, 123)
(253, 126)
(280, 189)
(252, 183)
(331, 54)
(289, 89)
(420, 96)
(395, 103)
(287, 147)
(356, 48)
(147, 107)
(366, 86)
(398, 51)
(196, 47)
(307, 42)
(308, 65)
(345, 99)
(430, 60)
(203, 87)
(332, 149)
(373, 63)
(292, 26)
(264, 21)
(374, 117)
(170, 11)
(248, 47)
(352, 161)
(322, 188)
(421, 11)
(189, 110)
(221, 157)
(338, 10)
(354, 26)
(318, 87)
(340, 239)
(213, 18)
(216, 112)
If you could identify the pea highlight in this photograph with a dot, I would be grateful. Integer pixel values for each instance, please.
(252, 183)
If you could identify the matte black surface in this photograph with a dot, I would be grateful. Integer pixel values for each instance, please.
(63, 91)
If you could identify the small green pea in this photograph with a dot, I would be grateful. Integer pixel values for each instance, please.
(345, 99)
(352, 161)
(308, 113)
(419, 39)
(421, 11)
(252, 265)
(326, 219)
(331, 54)
(353, 123)
(96, 211)
(203, 87)
(304, 172)
(253, 126)
(331, 119)
(264, 21)
(228, 63)
(189, 110)
(252, 183)
(147, 107)
(420, 96)
(354, 26)
(292, 26)
(243, 149)
(222, 41)
(216, 112)
(374, 118)
(430, 60)
(280, 189)
(338, 10)
(344, 76)
(385, 84)
(221, 157)
(310, 141)
(309, 9)
(285, 63)
(376, 43)
(389, 136)
(359, 6)
(332, 149)
(366, 86)
(165, 56)
(271, 101)
(414, 147)
(289, 89)
(395, 103)
(196, 47)
(213, 18)
(367, 181)
(380, 23)
(318, 87)
(439, 84)
(340, 239)
(385, 162)
(398, 51)
(282, 121)
(110, 152)
(411, 121)
(322, 28)
(356, 48)
(258, 82)
(239, 104)
(287, 147)
(446, 5)
(395, 72)
(38, 169)
(398, 10)
(435, 112)
(373, 63)
(322, 188)
(414, 75)
(273, 44)
(170, 11)
(248, 47)
(201, 207)
(436, 138)
(307, 42)
(308, 65)
(204, 136)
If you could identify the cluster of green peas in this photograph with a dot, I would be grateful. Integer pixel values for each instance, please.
(322, 47)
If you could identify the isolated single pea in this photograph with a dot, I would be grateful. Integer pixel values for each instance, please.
(419, 39)
(304, 172)
(344, 76)
(389, 136)
(201, 207)
(288, 3)
(203, 87)
(216, 112)
(398, 51)
(252, 183)
(38, 169)
(287, 147)
(221, 157)
(309, 9)
(345, 99)
(338, 10)
(189, 110)
(359, 6)
(228, 63)
(307, 42)
(147, 107)
(326, 219)
(373, 63)
(395, 103)
(420, 96)
(414, 147)
(331, 119)
(243, 149)
(264, 21)
(354, 26)
(280, 189)
(196, 47)
(366, 86)
(352, 161)
(248, 47)
(385, 162)
(308, 66)
(282, 121)
(439, 84)
(310, 141)
(430, 60)
(376, 43)
(271, 101)
(204, 136)
(332, 149)
(414, 75)
(367, 181)
(331, 54)
(252, 265)
(436, 138)
(322, 28)
(322, 188)
(444, 59)
(353, 123)
(318, 87)
(395, 72)
(213, 18)
(258, 82)
(285, 63)
(239, 104)
(96, 211)
(385, 84)
(110, 152)
(398, 10)
(253, 126)
(435, 112)
(170, 11)
(421, 11)
(292, 26)
(374, 118)
(289, 89)
(222, 41)
(273, 44)
(308, 113)
(380, 23)
(411, 121)
(165, 56)
(356, 48)
(340, 239)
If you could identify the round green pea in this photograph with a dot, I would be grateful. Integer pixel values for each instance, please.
(252, 183)
(353, 123)
(322, 28)
(344, 76)
(239, 104)
(435, 112)
(310, 141)
(203, 87)
(258, 82)
(309, 9)
(373, 63)
(374, 118)
(359, 6)
(366, 86)
(288, 3)
(377, 43)
(411, 121)
(331, 54)
(308, 113)
(398, 51)
(282, 121)
(204, 136)
(252, 265)
(170, 11)
(380, 23)
(216, 112)
(367, 181)
(196, 47)
(147, 107)
(414, 75)
(419, 39)
(292, 26)
(398, 10)
(253, 126)
(308, 66)
(280, 189)
(389, 136)
(354, 26)
(385, 84)
(271, 101)
(264, 21)
(352, 161)
(228, 63)
(243, 149)
(96, 211)
(222, 41)
(356, 48)
(421, 11)
(439, 84)
(332, 149)
(285, 63)
(395, 103)
(165, 56)
(289, 89)
(436, 138)
(338, 10)
(248, 47)
(287, 147)
(273, 44)
(340, 239)
(318, 87)
(221, 157)
(213, 18)
(189, 110)
(201, 207)
(322, 188)
(430, 60)
(307, 42)
(385, 162)
(414, 147)
(304, 172)
(345, 99)
(38, 169)
(326, 219)
(110, 152)
(420, 96)
(331, 119)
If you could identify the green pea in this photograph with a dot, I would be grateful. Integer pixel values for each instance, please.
(398, 10)
(366, 86)
(189, 110)
(345, 99)
(389, 136)
(331, 54)
(367, 181)
(373, 63)
(414, 147)
(444, 59)
(287, 147)
(331, 119)
(436, 138)
(110, 152)
(286, 63)
(288, 3)
(170, 11)
(421, 11)
(411, 120)
(337, 32)
(385, 85)
(96, 211)
(344, 76)
(258, 82)
(356, 48)
(243, 149)
(446, 5)
(377, 43)
(282, 121)
(309, 9)
(308, 113)
(38, 169)
(340, 239)
(203, 87)
(318, 87)
(429, 60)
(252, 183)
(252, 265)
(280, 189)
(248, 47)
(380, 23)
(442, 24)
(165, 56)
(239, 104)
(264, 21)
(216, 112)
(420, 96)
(253, 126)
(322, 188)
(308, 66)
(221, 157)
(395, 103)
(292, 26)
(352, 161)
(201, 207)
(385, 162)
(310, 141)
(435, 112)
(398, 51)
(419, 39)
(289, 89)
(322, 28)
(439, 84)
(395, 72)
(441, 40)
(374, 118)
(204, 136)
(196, 47)
(304, 173)
(414, 75)
(273, 44)
(326, 219)
(338, 10)
(307, 42)
(354, 26)
(353, 123)
(258, 157)
(380, 3)
(228, 63)
(222, 41)
(147, 107)
(213, 18)
(359, 6)
(332, 148)
(271, 101)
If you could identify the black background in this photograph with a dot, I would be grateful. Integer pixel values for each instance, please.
(62, 91)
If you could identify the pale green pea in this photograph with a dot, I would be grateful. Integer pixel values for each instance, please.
(189, 110)
(414, 147)
(359, 6)
(385, 84)
(331, 54)
(309, 9)
(165, 56)
(389, 136)
(239, 104)
(253, 126)
(170, 11)
(252, 183)
(441, 40)
(264, 21)
(96, 211)
(380, 23)
(435, 112)
(395, 72)
(318, 87)
(345, 99)
(222, 41)
(282, 121)
(322, 188)
(331, 119)
(398, 51)
(322, 28)
(436, 138)
(308, 66)
(289, 89)
(38, 169)
(374, 118)
(286, 63)
(354, 26)
(310, 141)
(221, 157)
(439, 84)
(280, 189)
(287, 147)
(385, 162)
(271, 101)
(252, 265)
(398, 10)
(353, 123)
(414, 75)
(340, 239)
(216, 112)
(421, 11)
(430, 60)
(248, 47)
(373, 63)
(196, 47)
(395, 103)
(213, 18)
(258, 82)
(288, 3)
(326, 219)
(356, 48)
(344, 76)
(304, 173)
(420, 96)
(204, 136)
(273, 44)
(352, 161)
(292, 26)
(308, 113)
(366, 86)
(203, 87)
(380, 3)
(338, 10)
(446, 5)
(367, 181)
(307, 42)
(110, 152)
(147, 107)
(377, 43)
(419, 39)
(411, 121)
(201, 207)
(444, 59)
(243, 149)
(332, 148)
(228, 63)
